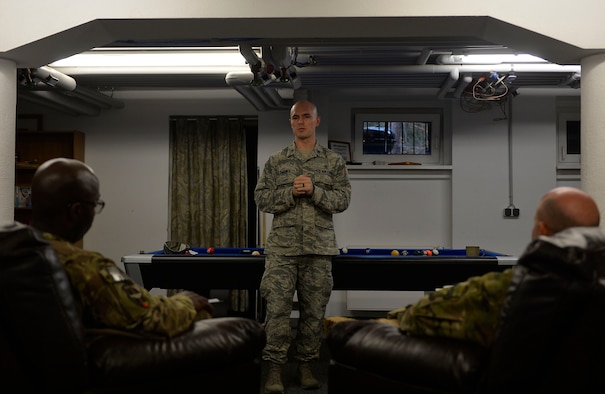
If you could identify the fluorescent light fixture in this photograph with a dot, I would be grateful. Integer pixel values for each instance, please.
(162, 57)
(490, 59)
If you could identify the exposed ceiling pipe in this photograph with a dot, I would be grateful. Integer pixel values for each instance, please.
(466, 79)
(248, 53)
(424, 56)
(442, 68)
(251, 96)
(236, 78)
(56, 84)
(262, 98)
(72, 105)
(54, 78)
(485, 59)
(261, 94)
(449, 82)
(97, 98)
(276, 99)
(46, 103)
(267, 55)
(88, 96)
(549, 91)
(281, 56)
(573, 81)
(274, 59)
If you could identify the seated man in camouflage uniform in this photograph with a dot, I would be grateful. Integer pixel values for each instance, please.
(65, 199)
(470, 310)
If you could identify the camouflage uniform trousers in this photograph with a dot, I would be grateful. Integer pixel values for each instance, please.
(311, 277)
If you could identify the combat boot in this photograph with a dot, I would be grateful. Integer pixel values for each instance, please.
(274, 384)
(307, 380)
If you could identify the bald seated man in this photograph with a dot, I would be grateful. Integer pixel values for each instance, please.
(65, 200)
(562, 208)
(470, 310)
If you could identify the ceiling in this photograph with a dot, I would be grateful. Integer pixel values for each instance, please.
(380, 63)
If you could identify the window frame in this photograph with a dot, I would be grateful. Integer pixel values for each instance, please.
(565, 160)
(433, 115)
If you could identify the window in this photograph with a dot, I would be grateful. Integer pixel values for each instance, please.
(568, 136)
(398, 135)
(397, 138)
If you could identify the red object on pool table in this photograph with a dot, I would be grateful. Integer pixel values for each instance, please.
(210, 250)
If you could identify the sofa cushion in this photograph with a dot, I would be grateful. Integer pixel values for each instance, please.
(211, 345)
(444, 364)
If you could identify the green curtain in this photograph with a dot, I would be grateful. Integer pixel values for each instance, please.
(208, 185)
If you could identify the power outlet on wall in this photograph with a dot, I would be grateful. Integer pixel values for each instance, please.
(511, 212)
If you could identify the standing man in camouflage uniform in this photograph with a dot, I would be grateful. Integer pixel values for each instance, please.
(302, 185)
(65, 200)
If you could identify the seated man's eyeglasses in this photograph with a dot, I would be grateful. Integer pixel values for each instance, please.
(98, 205)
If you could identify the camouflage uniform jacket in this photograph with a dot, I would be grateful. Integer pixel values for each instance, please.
(110, 299)
(303, 225)
(469, 310)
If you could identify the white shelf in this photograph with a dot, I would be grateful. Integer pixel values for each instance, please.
(376, 172)
(421, 167)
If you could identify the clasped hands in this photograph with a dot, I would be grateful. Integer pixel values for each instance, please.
(302, 186)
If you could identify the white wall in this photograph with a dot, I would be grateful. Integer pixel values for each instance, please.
(481, 172)
(128, 148)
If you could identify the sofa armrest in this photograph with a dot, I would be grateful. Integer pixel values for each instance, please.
(441, 364)
(212, 345)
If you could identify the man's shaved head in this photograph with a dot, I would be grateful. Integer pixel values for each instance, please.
(59, 187)
(562, 208)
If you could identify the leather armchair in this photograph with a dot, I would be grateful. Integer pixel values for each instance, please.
(42, 344)
(550, 339)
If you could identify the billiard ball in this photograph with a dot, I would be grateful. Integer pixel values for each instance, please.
(256, 253)
(210, 250)
(435, 252)
(368, 251)
(394, 252)
(344, 250)
(429, 252)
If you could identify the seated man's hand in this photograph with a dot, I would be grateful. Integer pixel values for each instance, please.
(204, 309)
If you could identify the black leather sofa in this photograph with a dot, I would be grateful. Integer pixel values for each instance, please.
(42, 348)
(551, 338)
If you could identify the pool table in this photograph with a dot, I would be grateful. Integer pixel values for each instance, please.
(353, 269)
